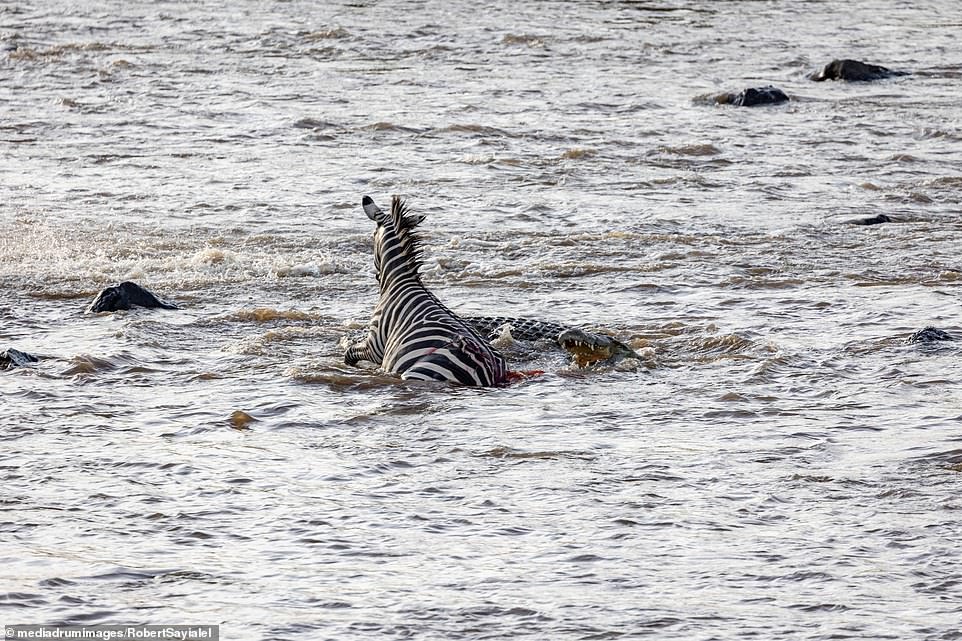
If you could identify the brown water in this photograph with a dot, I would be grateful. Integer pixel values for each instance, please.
(783, 465)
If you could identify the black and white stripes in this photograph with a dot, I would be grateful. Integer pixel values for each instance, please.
(412, 333)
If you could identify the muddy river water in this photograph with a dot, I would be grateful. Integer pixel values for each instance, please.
(781, 464)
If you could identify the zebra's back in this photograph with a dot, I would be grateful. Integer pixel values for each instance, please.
(442, 347)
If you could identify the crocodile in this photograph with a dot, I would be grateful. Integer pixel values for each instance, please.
(586, 348)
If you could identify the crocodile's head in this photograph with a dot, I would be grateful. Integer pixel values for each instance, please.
(589, 349)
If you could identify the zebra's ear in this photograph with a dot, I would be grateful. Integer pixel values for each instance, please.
(373, 211)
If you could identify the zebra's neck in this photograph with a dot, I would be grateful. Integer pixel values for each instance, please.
(388, 315)
(397, 251)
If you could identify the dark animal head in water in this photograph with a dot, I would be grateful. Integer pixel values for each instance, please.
(397, 250)
(853, 71)
(124, 296)
(589, 349)
(930, 335)
(753, 96)
(15, 358)
(871, 220)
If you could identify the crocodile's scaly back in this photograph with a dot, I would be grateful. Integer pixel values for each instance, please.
(525, 329)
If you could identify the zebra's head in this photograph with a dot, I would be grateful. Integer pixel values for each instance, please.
(397, 250)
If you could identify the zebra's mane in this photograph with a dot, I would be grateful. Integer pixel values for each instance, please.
(404, 223)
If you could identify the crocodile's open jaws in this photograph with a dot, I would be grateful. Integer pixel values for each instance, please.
(589, 349)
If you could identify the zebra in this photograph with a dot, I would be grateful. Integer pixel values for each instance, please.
(412, 333)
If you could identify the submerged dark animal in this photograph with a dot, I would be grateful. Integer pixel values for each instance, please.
(929, 335)
(853, 71)
(753, 96)
(411, 332)
(872, 220)
(15, 358)
(586, 348)
(124, 296)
